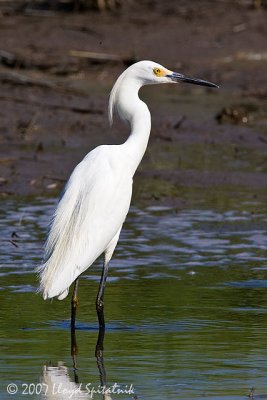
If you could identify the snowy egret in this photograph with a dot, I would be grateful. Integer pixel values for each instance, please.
(96, 199)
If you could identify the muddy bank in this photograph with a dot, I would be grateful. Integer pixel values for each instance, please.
(54, 95)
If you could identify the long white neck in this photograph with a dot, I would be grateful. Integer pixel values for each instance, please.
(124, 97)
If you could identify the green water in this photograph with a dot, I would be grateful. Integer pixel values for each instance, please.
(186, 304)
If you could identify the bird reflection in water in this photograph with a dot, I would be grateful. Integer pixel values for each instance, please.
(58, 384)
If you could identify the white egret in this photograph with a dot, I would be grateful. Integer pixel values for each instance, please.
(96, 199)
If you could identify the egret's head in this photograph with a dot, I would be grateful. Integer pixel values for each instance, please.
(139, 74)
(150, 72)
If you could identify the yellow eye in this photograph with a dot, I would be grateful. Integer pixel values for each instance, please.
(158, 71)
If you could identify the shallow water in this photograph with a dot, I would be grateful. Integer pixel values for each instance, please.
(186, 305)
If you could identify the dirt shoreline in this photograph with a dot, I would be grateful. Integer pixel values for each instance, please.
(53, 100)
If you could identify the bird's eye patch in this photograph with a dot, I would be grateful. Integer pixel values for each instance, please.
(158, 71)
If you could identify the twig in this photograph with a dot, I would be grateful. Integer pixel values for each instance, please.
(30, 12)
(7, 160)
(53, 178)
(25, 129)
(19, 79)
(14, 243)
(53, 106)
(180, 122)
(102, 57)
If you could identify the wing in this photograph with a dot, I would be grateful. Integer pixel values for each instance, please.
(90, 213)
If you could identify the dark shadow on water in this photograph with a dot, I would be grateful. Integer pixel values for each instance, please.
(80, 326)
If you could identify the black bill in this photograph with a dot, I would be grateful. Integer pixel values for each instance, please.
(175, 77)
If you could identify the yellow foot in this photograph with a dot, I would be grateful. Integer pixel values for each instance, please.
(75, 302)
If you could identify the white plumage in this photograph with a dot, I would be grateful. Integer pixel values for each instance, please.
(57, 385)
(96, 200)
(89, 215)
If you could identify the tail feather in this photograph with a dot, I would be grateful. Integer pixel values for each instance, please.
(58, 269)
(53, 286)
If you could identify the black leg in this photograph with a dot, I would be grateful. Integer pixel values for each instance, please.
(99, 354)
(74, 352)
(74, 305)
(100, 297)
